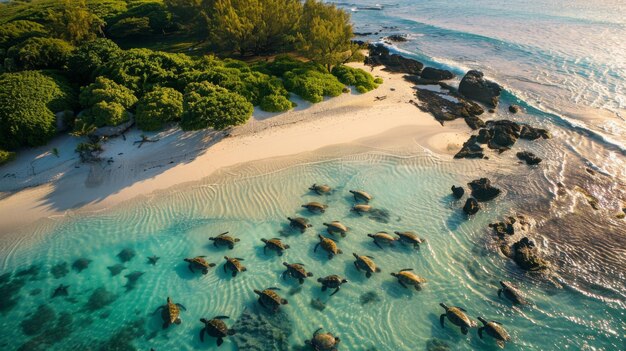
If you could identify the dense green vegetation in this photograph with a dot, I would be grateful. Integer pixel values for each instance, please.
(6, 156)
(66, 40)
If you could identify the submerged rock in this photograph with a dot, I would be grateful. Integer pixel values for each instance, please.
(482, 190)
(117, 269)
(528, 157)
(471, 206)
(60, 270)
(260, 331)
(123, 338)
(474, 86)
(514, 109)
(369, 297)
(458, 191)
(36, 323)
(132, 280)
(51, 333)
(126, 255)
(32, 272)
(435, 344)
(318, 304)
(81, 264)
(9, 293)
(61, 290)
(434, 74)
(100, 298)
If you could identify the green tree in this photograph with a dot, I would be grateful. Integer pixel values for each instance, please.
(89, 59)
(325, 35)
(6, 156)
(28, 103)
(158, 107)
(207, 105)
(104, 89)
(36, 53)
(356, 77)
(103, 114)
(131, 27)
(17, 31)
(75, 23)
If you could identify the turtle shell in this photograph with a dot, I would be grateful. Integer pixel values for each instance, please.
(299, 222)
(409, 237)
(234, 264)
(497, 332)
(312, 206)
(321, 189)
(324, 341)
(329, 245)
(224, 239)
(270, 296)
(297, 271)
(200, 261)
(361, 195)
(276, 244)
(366, 263)
(332, 281)
(170, 312)
(336, 226)
(216, 328)
(410, 278)
(383, 236)
(458, 317)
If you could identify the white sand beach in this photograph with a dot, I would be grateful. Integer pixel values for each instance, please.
(39, 184)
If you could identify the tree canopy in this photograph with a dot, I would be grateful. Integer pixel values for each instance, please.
(158, 107)
(104, 89)
(74, 22)
(39, 53)
(209, 106)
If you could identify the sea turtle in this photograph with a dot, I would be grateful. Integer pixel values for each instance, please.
(361, 208)
(360, 195)
(365, 263)
(495, 330)
(216, 328)
(61, 290)
(457, 316)
(224, 240)
(234, 265)
(315, 207)
(410, 238)
(269, 299)
(200, 263)
(382, 237)
(297, 271)
(274, 244)
(323, 341)
(153, 259)
(329, 245)
(332, 282)
(299, 223)
(170, 312)
(336, 227)
(406, 278)
(126, 254)
(511, 293)
(81, 264)
(320, 189)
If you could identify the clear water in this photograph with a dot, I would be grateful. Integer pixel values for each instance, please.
(458, 261)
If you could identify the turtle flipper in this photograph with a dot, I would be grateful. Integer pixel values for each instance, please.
(181, 306)
(220, 341)
(404, 285)
(377, 244)
(284, 275)
(165, 325)
(316, 246)
(442, 318)
(234, 274)
(190, 268)
(500, 293)
(464, 330)
(158, 309)
(500, 343)
(202, 334)
(301, 280)
(334, 292)
(224, 268)
(357, 266)
(231, 246)
(480, 332)
(261, 303)
(368, 274)
(231, 332)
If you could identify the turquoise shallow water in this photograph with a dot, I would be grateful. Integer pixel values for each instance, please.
(458, 261)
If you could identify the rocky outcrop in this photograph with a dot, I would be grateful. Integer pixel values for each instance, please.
(471, 206)
(434, 74)
(262, 331)
(502, 229)
(474, 86)
(471, 149)
(528, 157)
(397, 38)
(526, 255)
(446, 107)
(482, 190)
(514, 108)
(458, 191)
(379, 55)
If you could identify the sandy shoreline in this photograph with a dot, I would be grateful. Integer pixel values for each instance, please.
(39, 185)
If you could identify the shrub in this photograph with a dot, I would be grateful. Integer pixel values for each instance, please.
(105, 113)
(104, 89)
(207, 105)
(378, 80)
(35, 53)
(17, 31)
(276, 103)
(312, 85)
(357, 77)
(90, 58)
(157, 107)
(130, 27)
(6, 156)
(28, 101)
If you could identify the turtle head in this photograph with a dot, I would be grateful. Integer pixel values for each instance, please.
(212, 238)
(325, 223)
(320, 236)
(395, 275)
(319, 280)
(226, 258)
(355, 255)
(443, 305)
(258, 292)
(504, 283)
(264, 240)
(187, 260)
(343, 281)
(289, 218)
(204, 320)
(352, 191)
(370, 235)
(285, 264)
(396, 233)
(482, 320)
(169, 299)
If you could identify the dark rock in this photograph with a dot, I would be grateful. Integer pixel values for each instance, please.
(362, 34)
(530, 133)
(9, 293)
(471, 206)
(122, 339)
(369, 297)
(474, 86)
(379, 55)
(474, 122)
(484, 135)
(470, 149)
(501, 229)
(526, 255)
(81, 264)
(492, 110)
(529, 157)
(60, 270)
(126, 255)
(482, 189)
(397, 37)
(458, 191)
(435, 74)
(504, 134)
(514, 108)
(444, 107)
(52, 333)
(100, 298)
(259, 331)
